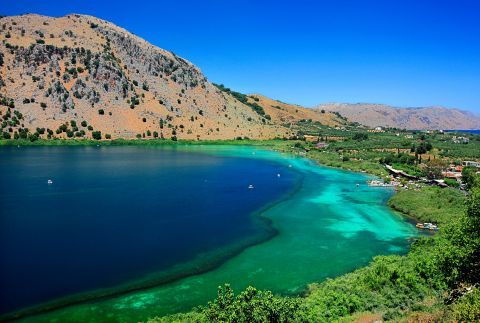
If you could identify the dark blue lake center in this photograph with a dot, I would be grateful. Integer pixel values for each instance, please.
(115, 215)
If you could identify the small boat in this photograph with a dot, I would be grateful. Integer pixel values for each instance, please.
(290, 166)
(49, 181)
(358, 185)
(427, 226)
(278, 175)
(250, 186)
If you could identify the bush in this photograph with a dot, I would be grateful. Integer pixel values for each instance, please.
(468, 307)
(451, 182)
(101, 112)
(360, 136)
(43, 105)
(108, 136)
(90, 128)
(251, 306)
(84, 123)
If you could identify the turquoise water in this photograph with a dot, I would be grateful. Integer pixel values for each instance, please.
(325, 224)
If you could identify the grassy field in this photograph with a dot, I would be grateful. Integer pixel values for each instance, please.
(430, 204)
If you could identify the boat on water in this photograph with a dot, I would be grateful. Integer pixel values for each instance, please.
(49, 181)
(427, 226)
(250, 186)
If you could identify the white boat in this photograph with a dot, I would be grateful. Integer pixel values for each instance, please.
(49, 181)
(278, 175)
(250, 186)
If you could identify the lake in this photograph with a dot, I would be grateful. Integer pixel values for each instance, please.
(154, 230)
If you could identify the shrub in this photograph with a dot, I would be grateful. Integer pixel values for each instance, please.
(451, 182)
(90, 128)
(101, 112)
(84, 123)
(108, 136)
(43, 105)
(251, 306)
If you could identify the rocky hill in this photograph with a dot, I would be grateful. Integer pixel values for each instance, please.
(374, 115)
(81, 77)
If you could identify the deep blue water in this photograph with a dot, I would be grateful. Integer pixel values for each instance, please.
(115, 214)
(477, 132)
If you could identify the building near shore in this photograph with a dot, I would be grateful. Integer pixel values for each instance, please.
(471, 163)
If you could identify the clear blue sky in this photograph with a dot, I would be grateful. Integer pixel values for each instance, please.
(404, 53)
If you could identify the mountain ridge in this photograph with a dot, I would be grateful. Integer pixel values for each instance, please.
(414, 118)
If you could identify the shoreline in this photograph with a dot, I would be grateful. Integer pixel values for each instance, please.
(176, 274)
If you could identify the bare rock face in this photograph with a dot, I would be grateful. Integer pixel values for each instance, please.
(374, 115)
(77, 75)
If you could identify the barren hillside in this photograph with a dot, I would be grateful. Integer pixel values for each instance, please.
(77, 75)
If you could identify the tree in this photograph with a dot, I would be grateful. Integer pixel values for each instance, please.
(468, 176)
(251, 306)
(97, 135)
(360, 136)
(433, 168)
(101, 112)
(108, 136)
(84, 123)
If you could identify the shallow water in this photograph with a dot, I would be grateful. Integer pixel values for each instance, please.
(326, 226)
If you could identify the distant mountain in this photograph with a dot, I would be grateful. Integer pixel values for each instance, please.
(374, 115)
(76, 75)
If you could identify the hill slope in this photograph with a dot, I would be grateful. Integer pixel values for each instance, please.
(374, 115)
(82, 69)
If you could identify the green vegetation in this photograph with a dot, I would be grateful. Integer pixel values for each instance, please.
(430, 204)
